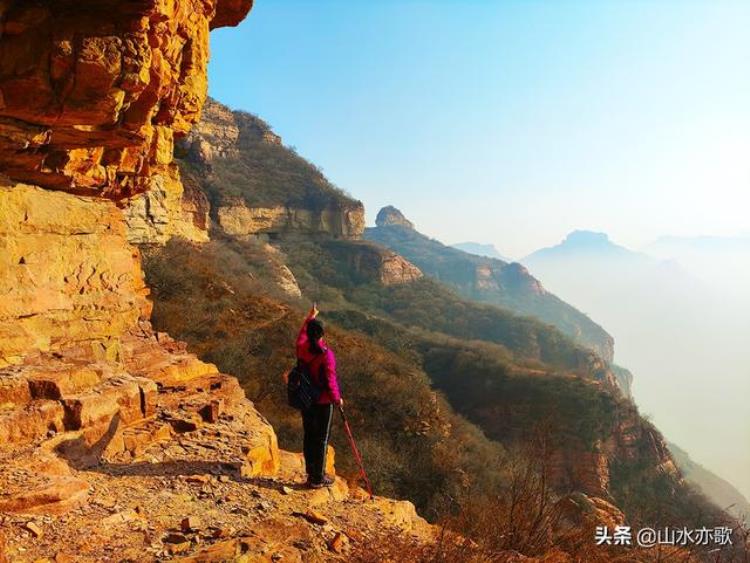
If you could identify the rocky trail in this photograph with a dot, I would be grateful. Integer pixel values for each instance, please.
(190, 472)
(205, 511)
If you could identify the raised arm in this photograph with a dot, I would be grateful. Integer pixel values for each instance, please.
(302, 336)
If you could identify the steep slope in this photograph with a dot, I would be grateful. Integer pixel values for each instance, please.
(412, 442)
(409, 436)
(323, 267)
(720, 491)
(592, 440)
(259, 187)
(600, 430)
(491, 281)
(506, 373)
(117, 443)
(684, 338)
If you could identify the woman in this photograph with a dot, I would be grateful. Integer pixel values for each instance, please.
(320, 362)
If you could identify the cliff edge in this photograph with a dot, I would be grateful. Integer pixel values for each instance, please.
(115, 442)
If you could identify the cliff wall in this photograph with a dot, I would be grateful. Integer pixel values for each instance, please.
(239, 220)
(94, 92)
(260, 188)
(68, 276)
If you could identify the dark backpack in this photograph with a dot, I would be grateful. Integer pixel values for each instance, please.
(301, 391)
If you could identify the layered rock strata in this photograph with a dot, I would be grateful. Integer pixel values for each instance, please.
(369, 263)
(588, 468)
(335, 220)
(223, 136)
(94, 93)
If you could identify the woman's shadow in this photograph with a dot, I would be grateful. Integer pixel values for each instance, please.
(84, 457)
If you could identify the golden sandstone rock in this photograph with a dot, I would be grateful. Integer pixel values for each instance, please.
(67, 274)
(334, 220)
(93, 92)
(92, 95)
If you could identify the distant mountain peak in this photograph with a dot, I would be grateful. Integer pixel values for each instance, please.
(587, 238)
(390, 215)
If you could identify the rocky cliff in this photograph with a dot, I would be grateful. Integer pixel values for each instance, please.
(104, 87)
(629, 442)
(389, 215)
(158, 453)
(260, 188)
(371, 263)
(94, 93)
(237, 219)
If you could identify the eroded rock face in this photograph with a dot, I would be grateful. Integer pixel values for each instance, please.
(220, 131)
(67, 275)
(226, 135)
(389, 215)
(214, 136)
(588, 468)
(334, 220)
(282, 274)
(395, 269)
(373, 263)
(169, 209)
(93, 93)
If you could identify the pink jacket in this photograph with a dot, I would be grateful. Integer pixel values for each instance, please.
(322, 367)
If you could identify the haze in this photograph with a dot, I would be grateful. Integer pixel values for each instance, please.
(681, 324)
(514, 123)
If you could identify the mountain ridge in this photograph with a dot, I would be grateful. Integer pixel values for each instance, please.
(493, 281)
(324, 267)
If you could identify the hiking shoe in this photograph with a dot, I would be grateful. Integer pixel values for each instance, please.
(325, 482)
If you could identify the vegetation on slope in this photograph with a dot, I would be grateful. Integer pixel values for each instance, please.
(415, 445)
(322, 270)
(510, 286)
(510, 375)
(264, 174)
(515, 377)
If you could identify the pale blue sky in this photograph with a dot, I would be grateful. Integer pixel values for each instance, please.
(511, 122)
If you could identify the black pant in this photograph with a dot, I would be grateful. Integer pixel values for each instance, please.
(317, 424)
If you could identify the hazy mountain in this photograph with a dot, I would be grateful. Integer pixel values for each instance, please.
(719, 490)
(480, 249)
(683, 336)
(488, 280)
(720, 262)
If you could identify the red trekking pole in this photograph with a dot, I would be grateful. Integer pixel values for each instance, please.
(355, 451)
